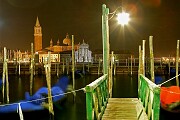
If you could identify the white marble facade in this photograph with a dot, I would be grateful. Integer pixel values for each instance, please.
(83, 54)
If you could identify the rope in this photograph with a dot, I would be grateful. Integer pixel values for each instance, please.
(83, 89)
(168, 80)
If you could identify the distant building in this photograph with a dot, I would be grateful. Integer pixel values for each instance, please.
(37, 36)
(55, 50)
(83, 54)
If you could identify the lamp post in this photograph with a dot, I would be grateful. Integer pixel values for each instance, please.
(105, 38)
(123, 19)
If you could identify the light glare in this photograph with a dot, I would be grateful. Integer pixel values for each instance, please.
(123, 18)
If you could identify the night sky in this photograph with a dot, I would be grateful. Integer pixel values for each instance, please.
(82, 18)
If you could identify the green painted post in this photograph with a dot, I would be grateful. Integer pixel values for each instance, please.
(156, 104)
(89, 104)
(105, 38)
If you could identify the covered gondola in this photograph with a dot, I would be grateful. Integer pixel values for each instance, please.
(170, 98)
(39, 99)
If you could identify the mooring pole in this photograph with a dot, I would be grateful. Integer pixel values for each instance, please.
(63, 67)
(5, 76)
(131, 65)
(48, 79)
(19, 62)
(177, 63)
(169, 63)
(99, 66)
(143, 57)
(151, 58)
(73, 70)
(31, 68)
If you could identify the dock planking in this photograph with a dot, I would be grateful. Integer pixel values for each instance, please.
(124, 109)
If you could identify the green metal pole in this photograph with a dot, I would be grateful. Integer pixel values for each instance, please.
(105, 38)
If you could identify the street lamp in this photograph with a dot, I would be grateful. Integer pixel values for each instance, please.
(123, 19)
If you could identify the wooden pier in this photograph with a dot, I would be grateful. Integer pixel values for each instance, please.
(100, 106)
(123, 109)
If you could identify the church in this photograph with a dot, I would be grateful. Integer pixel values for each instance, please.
(82, 53)
(42, 54)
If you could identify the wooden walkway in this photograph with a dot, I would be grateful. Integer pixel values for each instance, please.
(124, 109)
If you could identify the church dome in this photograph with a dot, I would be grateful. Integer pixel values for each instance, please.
(67, 40)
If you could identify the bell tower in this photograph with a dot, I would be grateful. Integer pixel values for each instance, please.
(37, 36)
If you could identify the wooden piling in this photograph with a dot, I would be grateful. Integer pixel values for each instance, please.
(63, 67)
(99, 66)
(169, 64)
(19, 62)
(143, 57)
(31, 68)
(73, 70)
(177, 63)
(151, 58)
(131, 65)
(5, 76)
(48, 79)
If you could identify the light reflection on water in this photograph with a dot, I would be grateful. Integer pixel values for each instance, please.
(123, 86)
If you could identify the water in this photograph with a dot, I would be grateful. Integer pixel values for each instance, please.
(123, 86)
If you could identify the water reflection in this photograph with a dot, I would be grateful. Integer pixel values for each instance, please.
(123, 86)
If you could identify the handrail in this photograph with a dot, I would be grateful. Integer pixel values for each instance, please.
(96, 98)
(94, 84)
(149, 95)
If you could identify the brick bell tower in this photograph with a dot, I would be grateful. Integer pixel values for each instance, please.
(37, 36)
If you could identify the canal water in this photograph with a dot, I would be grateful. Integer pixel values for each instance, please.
(123, 86)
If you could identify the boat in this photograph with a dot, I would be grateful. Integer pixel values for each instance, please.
(169, 95)
(36, 102)
(170, 98)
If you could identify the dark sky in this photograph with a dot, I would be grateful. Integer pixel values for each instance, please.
(82, 18)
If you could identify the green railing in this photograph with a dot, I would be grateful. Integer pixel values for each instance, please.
(96, 98)
(149, 95)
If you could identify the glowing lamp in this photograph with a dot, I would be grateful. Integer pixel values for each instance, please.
(123, 18)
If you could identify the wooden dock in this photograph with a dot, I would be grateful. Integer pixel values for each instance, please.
(124, 109)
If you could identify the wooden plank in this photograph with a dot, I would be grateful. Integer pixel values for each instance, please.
(122, 109)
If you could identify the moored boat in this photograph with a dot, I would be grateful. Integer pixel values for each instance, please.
(36, 102)
(170, 98)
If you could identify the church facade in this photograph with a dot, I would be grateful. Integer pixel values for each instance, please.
(83, 54)
(55, 50)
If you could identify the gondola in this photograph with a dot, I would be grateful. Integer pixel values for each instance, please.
(36, 102)
(170, 96)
